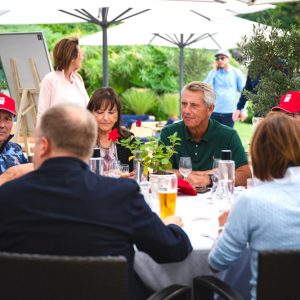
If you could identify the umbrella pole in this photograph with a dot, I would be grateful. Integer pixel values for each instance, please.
(181, 71)
(104, 57)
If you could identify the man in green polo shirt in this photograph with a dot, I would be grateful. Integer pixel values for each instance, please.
(203, 138)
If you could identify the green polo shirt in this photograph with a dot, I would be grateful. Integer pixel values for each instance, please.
(217, 137)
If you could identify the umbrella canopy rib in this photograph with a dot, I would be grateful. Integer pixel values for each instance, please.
(104, 23)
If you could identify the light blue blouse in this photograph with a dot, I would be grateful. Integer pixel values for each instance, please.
(267, 217)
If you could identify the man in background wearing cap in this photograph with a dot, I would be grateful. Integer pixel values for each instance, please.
(10, 153)
(227, 82)
(289, 104)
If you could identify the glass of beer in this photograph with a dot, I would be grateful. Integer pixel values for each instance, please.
(167, 193)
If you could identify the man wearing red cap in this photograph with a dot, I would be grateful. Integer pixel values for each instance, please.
(289, 104)
(10, 153)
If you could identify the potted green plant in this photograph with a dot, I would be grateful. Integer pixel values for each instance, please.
(272, 55)
(154, 154)
(154, 157)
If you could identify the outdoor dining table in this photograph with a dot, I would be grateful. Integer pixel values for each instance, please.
(200, 218)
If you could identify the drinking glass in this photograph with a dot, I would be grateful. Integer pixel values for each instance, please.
(222, 196)
(124, 168)
(167, 193)
(114, 169)
(185, 166)
(215, 171)
(97, 165)
(145, 190)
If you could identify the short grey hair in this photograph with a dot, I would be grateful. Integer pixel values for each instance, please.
(70, 128)
(204, 88)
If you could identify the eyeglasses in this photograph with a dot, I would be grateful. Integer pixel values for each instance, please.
(220, 58)
(293, 115)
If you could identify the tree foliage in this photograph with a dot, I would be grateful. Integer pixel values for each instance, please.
(287, 13)
(273, 56)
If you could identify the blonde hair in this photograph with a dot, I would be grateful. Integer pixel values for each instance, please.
(70, 128)
(275, 146)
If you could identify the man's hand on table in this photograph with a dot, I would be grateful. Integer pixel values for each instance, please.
(15, 172)
(199, 178)
(173, 220)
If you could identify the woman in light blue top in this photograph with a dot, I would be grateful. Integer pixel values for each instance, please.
(266, 217)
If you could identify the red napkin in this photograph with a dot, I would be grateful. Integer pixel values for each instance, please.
(185, 188)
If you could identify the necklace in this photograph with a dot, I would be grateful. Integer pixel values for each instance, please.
(101, 146)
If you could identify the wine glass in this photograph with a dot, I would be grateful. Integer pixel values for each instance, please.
(185, 166)
(215, 171)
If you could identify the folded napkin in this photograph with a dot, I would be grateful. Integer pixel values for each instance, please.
(185, 188)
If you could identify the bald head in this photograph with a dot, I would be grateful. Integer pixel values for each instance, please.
(70, 129)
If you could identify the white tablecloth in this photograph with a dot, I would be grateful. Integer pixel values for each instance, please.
(200, 219)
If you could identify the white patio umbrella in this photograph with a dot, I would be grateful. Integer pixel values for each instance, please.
(173, 13)
(224, 33)
(258, 2)
(45, 16)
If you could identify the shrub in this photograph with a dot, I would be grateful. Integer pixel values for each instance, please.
(273, 56)
(138, 101)
(169, 104)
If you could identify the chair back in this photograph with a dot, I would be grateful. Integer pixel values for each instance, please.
(208, 287)
(36, 277)
(173, 292)
(278, 275)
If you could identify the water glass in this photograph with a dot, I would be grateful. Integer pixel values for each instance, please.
(222, 196)
(215, 171)
(124, 168)
(185, 166)
(145, 190)
(97, 165)
(114, 169)
(167, 193)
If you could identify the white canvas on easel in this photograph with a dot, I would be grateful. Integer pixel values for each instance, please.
(25, 60)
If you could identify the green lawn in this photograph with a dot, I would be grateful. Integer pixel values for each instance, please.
(245, 132)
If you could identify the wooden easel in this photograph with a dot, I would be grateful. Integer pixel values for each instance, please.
(25, 103)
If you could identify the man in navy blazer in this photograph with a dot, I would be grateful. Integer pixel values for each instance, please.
(62, 208)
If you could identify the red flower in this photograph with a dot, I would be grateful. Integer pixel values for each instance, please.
(138, 123)
(113, 135)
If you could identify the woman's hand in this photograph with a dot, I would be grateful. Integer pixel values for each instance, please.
(128, 175)
(223, 218)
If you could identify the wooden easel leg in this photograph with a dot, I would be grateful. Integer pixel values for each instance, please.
(19, 114)
(25, 136)
(26, 104)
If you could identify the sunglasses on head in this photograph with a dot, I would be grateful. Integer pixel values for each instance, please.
(220, 58)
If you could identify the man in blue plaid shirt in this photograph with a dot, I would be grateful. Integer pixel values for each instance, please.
(10, 153)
